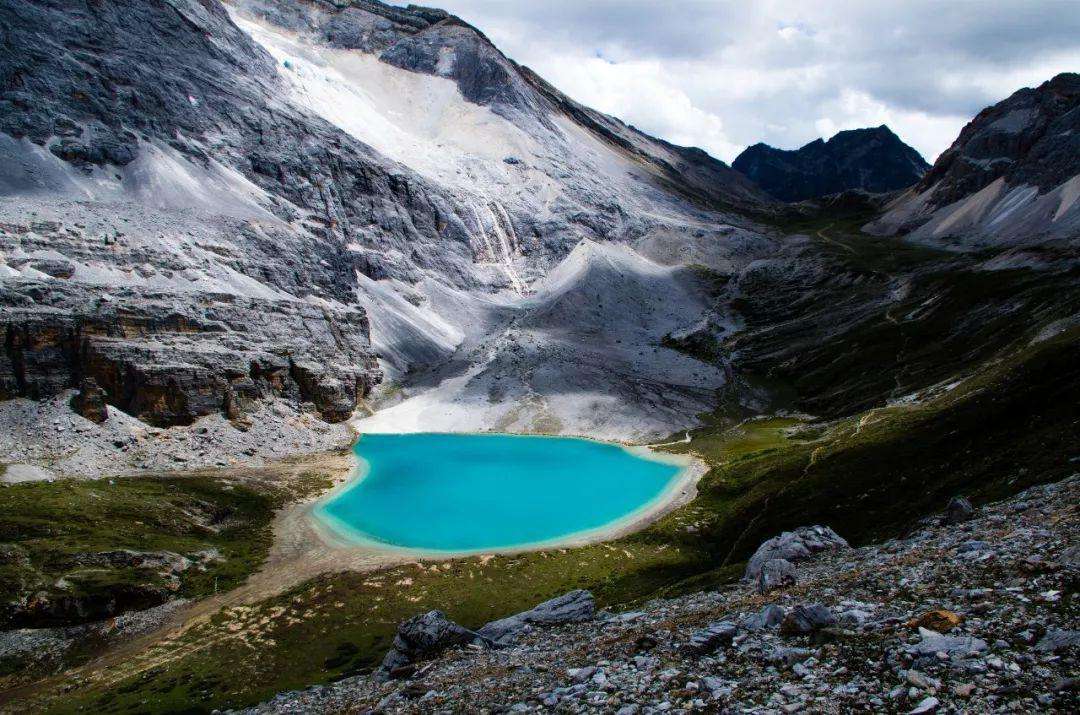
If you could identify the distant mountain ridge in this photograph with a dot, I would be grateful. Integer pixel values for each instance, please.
(872, 159)
(1012, 175)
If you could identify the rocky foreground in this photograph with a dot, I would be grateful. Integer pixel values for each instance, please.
(975, 611)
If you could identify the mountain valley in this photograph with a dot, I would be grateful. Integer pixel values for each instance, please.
(237, 235)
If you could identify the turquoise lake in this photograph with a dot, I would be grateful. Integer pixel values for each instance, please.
(470, 492)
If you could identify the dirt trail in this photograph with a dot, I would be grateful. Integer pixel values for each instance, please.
(823, 237)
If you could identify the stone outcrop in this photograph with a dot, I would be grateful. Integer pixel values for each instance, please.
(712, 637)
(1029, 138)
(428, 634)
(806, 619)
(90, 401)
(873, 160)
(768, 617)
(774, 574)
(420, 637)
(957, 510)
(169, 364)
(793, 546)
(931, 643)
(571, 607)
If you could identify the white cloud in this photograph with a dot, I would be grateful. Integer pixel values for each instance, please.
(723, 75)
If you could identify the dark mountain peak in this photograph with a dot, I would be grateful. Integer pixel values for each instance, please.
(871, 159)
(818, 143)
(1032, 137)
(865, 135)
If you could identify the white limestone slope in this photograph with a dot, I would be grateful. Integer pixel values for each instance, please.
(544, 342)
(557, 167)
(580, 356)
(180, 218)
(999, 214)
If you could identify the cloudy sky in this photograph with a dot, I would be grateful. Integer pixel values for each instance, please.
(723, 75)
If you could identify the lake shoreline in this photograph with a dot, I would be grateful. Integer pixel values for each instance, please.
(681, 490)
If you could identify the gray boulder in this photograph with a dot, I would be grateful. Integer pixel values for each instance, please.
(959, 509)
(768, 617)
(805, 619)
(1057, 640)
(802, 543)
(933, 642)
(787, 656)
(711, 637)
(776, 573)
(571, 607)
(422, 637)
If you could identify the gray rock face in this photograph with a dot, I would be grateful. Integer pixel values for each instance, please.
(806, 619)
(170, 363)
(571, 607)
(1004, 179)
(1029, 138)
(422, 637)
(873, 159)
(211, 231)
(776, 573)
(793, 546)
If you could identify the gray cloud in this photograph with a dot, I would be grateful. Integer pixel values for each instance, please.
(723, 75)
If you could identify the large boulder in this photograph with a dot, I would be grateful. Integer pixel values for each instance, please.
(794, 546)
(805, 619)
(776, 573)
(958, 510)
(422, 637)
(768, 617)
(711, 637)
(569, 608)
(931, 643)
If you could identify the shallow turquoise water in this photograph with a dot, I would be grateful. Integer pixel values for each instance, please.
(453, 492)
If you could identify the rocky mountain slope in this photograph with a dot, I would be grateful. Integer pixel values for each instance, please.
(1011, 176)
(206, 206)
(973, 611)
(872, 159)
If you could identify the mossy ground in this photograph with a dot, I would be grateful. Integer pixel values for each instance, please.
(54, 523)
(47, 528)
